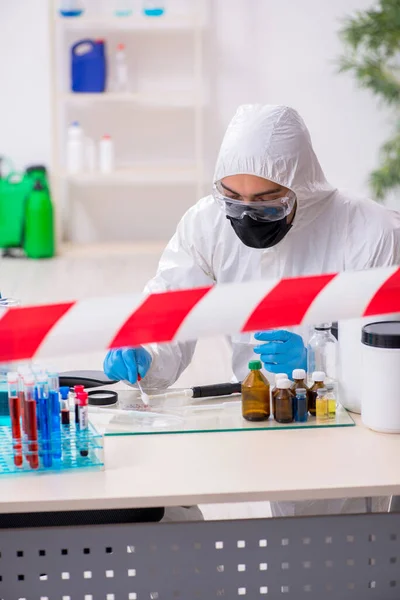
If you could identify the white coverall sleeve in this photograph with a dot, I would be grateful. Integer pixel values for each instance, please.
(375, 243)
(387, 251)
(181, 266)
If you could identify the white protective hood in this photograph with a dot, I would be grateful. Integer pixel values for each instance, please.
(273, 142)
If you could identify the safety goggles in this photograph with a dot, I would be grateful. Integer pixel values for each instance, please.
(271, 209)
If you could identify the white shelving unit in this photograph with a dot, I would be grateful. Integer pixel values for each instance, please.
(168, 99)
(137, 22)
(160, 175)
(165, 170)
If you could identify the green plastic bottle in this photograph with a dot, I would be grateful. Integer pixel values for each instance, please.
(36, 173)
(14, 190)
(39, 223)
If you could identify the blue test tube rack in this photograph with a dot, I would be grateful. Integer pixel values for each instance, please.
(72, 442)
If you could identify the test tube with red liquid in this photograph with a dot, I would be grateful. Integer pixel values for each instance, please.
(15, 414)
(22, 372)
(31, 422)
(78, 389)
(83, 423)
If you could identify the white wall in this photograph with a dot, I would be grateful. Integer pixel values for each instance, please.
(284, 51)
(25, 101)
(272, 51)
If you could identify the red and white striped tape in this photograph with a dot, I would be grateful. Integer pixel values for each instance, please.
(102, 323)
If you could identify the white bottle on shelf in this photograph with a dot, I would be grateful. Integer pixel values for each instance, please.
(106, 154)
(121, 70)
(75, 148)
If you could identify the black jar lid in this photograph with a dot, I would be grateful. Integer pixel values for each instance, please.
(102, 397)
(384, 334)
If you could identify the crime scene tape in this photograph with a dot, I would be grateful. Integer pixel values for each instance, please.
(96, 324)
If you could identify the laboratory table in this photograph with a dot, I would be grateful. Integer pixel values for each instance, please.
(303, 557)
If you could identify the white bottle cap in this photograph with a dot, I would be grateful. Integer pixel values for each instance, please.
(12, 376)
(29, 379)
(299, 374)
(23, 369)
(279, 376)
(318, 376)
(283, 384)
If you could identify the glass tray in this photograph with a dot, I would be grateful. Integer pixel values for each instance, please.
(186, 415)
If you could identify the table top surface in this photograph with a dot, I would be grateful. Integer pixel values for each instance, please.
(185, 469)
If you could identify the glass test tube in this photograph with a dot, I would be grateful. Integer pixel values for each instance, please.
(83, 423)
(77, 390)
(55, 408)
(31, 422)
(15, 415)
(44, 417)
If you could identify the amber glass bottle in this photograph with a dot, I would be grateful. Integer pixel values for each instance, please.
(284, 402)
(274, 391)
(255, 394)
(318, 378)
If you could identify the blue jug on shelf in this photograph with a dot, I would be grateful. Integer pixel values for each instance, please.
(153, 8)
(71, 8)
(88, 66)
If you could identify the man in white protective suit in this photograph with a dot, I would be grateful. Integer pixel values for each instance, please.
(272, 214)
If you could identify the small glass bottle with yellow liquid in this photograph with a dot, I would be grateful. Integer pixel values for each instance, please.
(331, 398)
(322, 405)
(318, 378)
(255, 394)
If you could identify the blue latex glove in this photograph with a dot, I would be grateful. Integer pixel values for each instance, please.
(126, 363)
(282, 352)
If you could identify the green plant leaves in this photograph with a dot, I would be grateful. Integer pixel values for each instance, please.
(372, 50)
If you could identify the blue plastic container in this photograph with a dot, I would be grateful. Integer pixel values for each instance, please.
(153, 12)
(153, 8)
(71, 8)
(88, 66)
(71, 13)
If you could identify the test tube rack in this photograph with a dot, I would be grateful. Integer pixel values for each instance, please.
(72, 442)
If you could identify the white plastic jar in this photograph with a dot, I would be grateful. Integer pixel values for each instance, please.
(350, 373)
(380, 388)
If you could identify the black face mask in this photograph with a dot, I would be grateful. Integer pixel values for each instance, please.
(260, 234)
